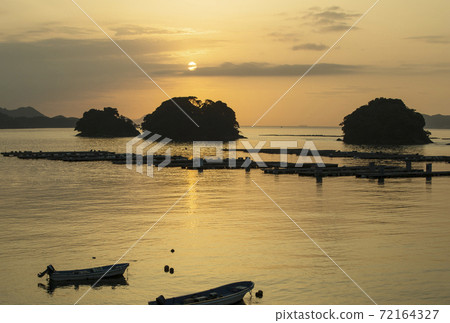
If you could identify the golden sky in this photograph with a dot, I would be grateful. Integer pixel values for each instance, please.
(248, 53)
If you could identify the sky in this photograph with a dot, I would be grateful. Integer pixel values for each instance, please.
(248, 54)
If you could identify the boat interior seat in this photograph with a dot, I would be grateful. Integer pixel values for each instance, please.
(213, 295)
(200, 299)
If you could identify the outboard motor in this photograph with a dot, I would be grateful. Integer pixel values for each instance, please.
(160, 300)
(42, 274)
(49, 270)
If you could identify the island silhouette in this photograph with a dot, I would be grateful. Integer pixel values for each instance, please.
(385, 122)
(105, 123)
(215, 120)
(437, 121)
(29, 117)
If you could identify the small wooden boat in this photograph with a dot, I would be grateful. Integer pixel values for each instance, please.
(84, 274)
(223, 295)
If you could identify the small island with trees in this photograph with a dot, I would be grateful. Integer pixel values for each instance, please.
(213, 120)
(385, 122)
(181, 119)
(105, 123)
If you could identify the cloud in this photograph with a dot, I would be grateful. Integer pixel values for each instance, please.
(85, 50)
(320, 20)
(53, 30)
(267, 69)
(420, 69)
(284, 37)
(432, 39)
(91, 50)
(330, 19)
(67, 69)
(310, 46)
(335, 27)
(48, 31)
(264, 69)
(139, 30)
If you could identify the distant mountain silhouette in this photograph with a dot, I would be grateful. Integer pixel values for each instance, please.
(437, 121)
(105, 123)
(216, 121)
(29, 117)
(385, 122)
(27, 112)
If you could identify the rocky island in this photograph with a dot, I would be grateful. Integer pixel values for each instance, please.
(105, 123)
(213, 120)
(385, 122)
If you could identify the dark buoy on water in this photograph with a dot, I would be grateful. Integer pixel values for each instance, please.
(94, 258)
(166, 269)
(171, 270)
(172, 251)
(259, 294)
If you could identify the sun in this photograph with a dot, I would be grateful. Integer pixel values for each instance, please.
(192, 66)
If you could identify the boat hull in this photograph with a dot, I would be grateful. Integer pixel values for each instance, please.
(53, 285)
(89, 273)
(223, 295)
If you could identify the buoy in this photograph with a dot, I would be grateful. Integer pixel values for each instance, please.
(259, 294)
(94, 258)
(171, 270)
(172, 251)
(166, 268)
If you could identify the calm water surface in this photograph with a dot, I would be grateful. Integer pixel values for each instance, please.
(392, 239)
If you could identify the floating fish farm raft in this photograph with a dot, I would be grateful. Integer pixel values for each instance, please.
(371, 171)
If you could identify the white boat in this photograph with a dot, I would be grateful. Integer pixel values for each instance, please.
(85, 274)
(223, 295)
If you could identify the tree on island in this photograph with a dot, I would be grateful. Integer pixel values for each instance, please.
(106, 123)
(385, 122)
(215, 120)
